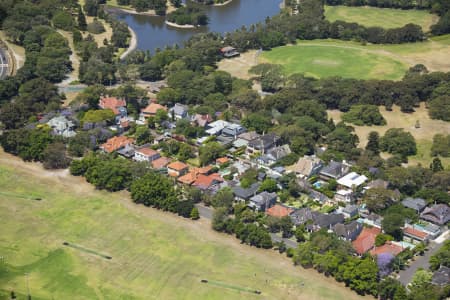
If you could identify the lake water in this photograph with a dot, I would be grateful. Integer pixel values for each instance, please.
(153, 33)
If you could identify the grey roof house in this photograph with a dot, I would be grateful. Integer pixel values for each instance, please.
(319, 220)
(179, 111)
(263, 143)
(62, 126)
(244, 194)
(348, 232)
(334, 170)
(437, 214)
(441, 276)
(418, 204)
(350, 211)
(274, 155)
(263, 201)
(301, 216)
(233, 130)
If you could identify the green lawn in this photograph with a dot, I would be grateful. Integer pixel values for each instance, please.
(325, 58)
(155, 255)
(383, 17)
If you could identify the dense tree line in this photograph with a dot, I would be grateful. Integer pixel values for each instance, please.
(188, 15)
(144, 5)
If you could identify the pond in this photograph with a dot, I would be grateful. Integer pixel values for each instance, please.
(153, 33)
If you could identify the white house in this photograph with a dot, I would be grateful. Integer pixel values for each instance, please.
(146, 154)
(352, 180)
(216, 127)
(343, 196)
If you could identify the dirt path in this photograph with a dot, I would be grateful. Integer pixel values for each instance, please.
(72, 76)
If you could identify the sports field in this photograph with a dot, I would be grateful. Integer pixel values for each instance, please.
(155, 255)
(324, 58)
(382, 17)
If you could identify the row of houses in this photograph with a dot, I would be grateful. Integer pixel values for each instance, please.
(263, 152)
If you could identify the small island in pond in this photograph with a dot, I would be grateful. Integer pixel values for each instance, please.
(189, 15)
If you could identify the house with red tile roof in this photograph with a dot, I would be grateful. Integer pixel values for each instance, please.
(204, 182)
(389, 247)
(279, 211)
(146, 154)
(115, 143)
(177, 169)
(151, 109)
(193, 174)
(415, 234)
(365, 240)
(112, 103)
(160, 163)
(222, 160)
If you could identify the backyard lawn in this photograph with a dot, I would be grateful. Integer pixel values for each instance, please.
(155, 255)
(383, 17)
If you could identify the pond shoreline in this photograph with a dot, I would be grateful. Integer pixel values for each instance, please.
(186, 26)
(133, 44)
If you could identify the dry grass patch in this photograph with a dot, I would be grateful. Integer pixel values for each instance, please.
(397, 119)
(239, 66)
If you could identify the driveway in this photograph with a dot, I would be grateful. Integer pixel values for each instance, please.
(207, 213)
(406, 275)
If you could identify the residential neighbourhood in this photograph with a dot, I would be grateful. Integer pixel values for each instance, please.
(331, 192)
(148, 147)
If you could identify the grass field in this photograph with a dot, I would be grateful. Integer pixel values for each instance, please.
(155, 255)
(384, 17)
(397, 119)
(318, 60)
(324, 58)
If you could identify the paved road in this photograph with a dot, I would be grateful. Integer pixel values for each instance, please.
(406, 275)
(207, 213)
(3, 64)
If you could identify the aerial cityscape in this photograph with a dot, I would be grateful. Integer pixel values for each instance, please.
(225, 149)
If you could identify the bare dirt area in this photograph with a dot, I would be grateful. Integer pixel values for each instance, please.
(239, 66)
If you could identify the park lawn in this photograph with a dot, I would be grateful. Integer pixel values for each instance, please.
(325, 58)
(382, 17)
(155, 255)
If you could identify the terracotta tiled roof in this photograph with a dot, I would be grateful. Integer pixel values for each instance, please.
(279, 211)
(205, 181)
(188, 178)
(147, 151)
(193, 174)
(177, 166)
(366, 240)
(152, 108)
(112, 103)
(389, 247)
(414, 232)
(160, 162)
(222, 160)
(115, 143)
